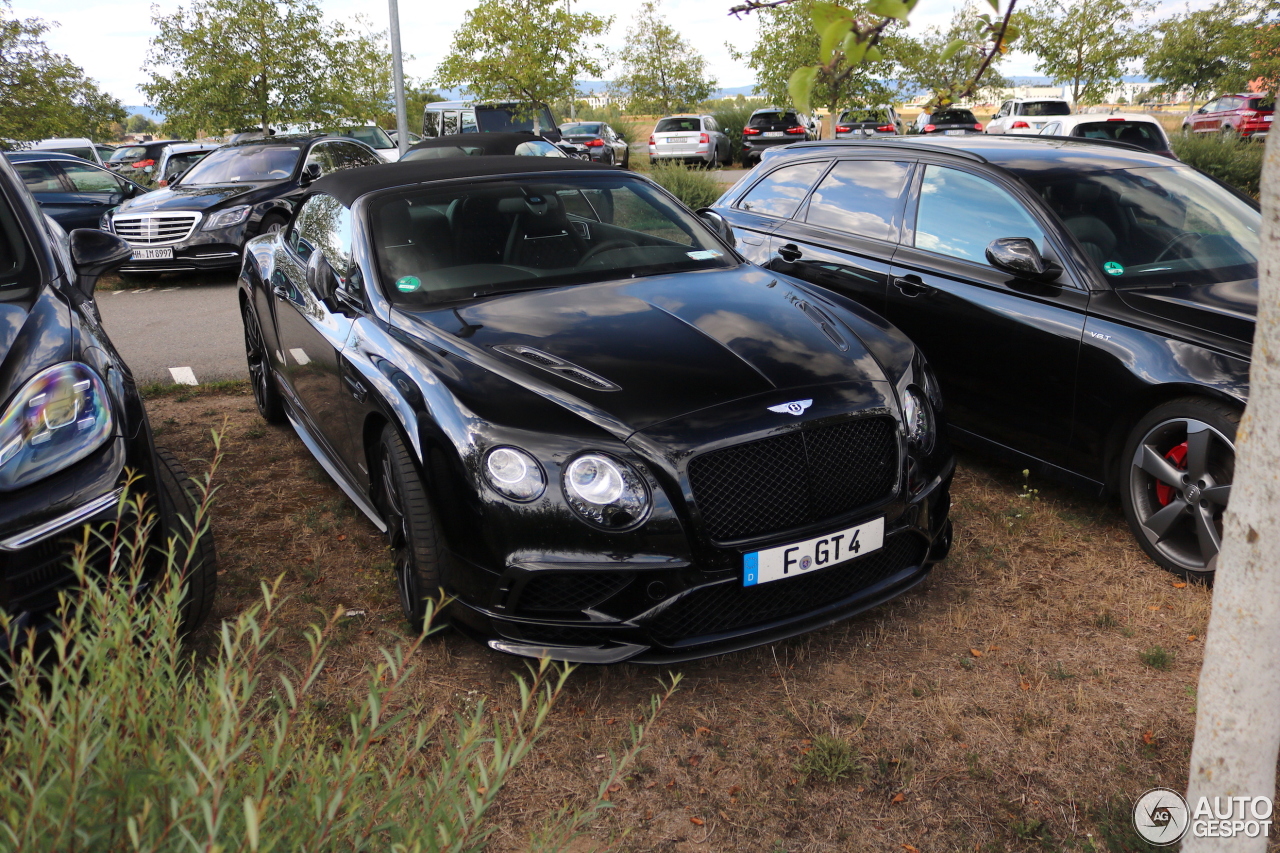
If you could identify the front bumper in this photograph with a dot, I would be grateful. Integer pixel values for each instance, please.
(203, 250)
(662, 612)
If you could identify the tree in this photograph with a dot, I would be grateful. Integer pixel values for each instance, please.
(1237, 728)
(138, 123)
(220, 64)
(661, 72)
(1264, 70)
(1203, 52)
(416, 96)
(789, 39)
(929, 64)
(45, 93)
(523, 50)
(1085, 43)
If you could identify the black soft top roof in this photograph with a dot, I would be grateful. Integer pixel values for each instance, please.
(349, 184)
(491, 142)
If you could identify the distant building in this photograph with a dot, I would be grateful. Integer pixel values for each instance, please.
(601, 100)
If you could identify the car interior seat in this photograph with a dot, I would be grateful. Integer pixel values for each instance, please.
(413, 241)
(1134, 136)
(480, 230)
(1078, 203)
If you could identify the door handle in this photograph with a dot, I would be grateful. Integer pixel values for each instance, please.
(913, 285)
(790, 252)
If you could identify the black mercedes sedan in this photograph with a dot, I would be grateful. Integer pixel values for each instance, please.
(238, 191)
(575, 408)
(1089, 306)
(72, 429)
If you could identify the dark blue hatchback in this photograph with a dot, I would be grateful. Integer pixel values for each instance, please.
(74, 192)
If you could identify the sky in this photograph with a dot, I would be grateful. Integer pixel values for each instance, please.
(109, 38)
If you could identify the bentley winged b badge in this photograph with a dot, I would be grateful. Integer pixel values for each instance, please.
(795, 407)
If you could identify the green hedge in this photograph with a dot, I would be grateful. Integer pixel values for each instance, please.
(119, 739)
(1234, 161)
(695, 187)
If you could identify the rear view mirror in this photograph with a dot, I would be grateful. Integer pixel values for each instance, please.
(311, 172)
(1020, 256)
(93, 253)
(321, 280)
(718, 224)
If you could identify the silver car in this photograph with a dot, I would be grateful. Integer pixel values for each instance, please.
(687, 138)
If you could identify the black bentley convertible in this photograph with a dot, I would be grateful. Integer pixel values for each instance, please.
(574, 407)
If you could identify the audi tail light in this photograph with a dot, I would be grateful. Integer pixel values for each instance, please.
(652, 141)
(703, 139)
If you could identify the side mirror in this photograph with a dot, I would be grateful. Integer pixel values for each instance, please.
(718, 224)
(321, 280)
(1020, 256)
(93, 253)
(311, 172)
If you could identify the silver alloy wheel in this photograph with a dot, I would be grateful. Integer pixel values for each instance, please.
(1179, 484)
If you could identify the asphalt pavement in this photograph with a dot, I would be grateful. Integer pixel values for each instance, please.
(176, 329)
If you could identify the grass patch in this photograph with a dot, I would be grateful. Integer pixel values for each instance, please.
(1235, 161)
(1157, 657)
(830, 759)
(218, 388)
(695, 187)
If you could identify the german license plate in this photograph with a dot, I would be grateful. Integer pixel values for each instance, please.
(152, 254)
(789, 561)
(774, 133)
(953, 133)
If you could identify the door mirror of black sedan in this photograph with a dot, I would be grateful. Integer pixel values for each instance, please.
(1020, 256)
(93, 253)
(311, 172)
(320, 278)
(718, 224)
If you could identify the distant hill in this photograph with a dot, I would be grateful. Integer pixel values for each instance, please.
(146, 112)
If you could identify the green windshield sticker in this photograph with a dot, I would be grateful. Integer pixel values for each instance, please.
(408, 284)
(1113, 268)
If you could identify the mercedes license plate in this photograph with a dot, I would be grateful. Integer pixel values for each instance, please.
(152, 254)
(798, 558)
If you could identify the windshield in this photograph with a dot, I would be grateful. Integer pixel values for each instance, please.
(478, 238)
(513, 118)
(82, 153)
(1157, 226)
(688, 124)
(179, 163)
(245, 163)
(953, 117)
(374, 137)
(1046, 108)
(854, 116)
(133, 152)
(766, 119)
(1142, 133)
(580, 129)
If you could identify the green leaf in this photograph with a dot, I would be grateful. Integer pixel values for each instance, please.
(1010, 33)
(995, 4)
(800, 86)
(854, 53)
(874, 54)
(889, 9)
(951, 49)
(833, 35)
(825, 14)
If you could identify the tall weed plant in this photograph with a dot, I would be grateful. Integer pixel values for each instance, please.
(1234, 161)
(118, 737)
(695, 187)
(732, 116)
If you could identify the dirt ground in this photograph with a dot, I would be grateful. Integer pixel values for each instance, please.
(1020, 699)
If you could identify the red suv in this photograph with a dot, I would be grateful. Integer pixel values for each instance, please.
(1245, 114)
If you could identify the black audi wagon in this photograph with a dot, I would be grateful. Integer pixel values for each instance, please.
(575, 408)
(1089, 306)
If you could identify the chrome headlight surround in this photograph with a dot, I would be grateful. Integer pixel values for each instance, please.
(514, 474)
(918, 417)
(60, 416)
(227, 218)
(606, 491)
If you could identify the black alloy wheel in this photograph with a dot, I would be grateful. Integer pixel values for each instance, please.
(265, 392)
(412, 533)
(1180, 462)
(271, 224)
(179, 500)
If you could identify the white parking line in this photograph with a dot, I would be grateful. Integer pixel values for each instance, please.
(166, 289)
(183, 375)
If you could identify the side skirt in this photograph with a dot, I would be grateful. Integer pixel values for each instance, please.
(358, 499)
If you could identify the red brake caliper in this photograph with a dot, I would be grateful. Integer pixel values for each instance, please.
(1178, 456)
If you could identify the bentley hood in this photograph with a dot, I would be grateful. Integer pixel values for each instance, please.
(648, 350)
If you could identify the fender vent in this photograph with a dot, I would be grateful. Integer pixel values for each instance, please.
(824, 322)
(558, 366)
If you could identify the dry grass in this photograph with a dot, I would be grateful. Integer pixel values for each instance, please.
(1003, 705)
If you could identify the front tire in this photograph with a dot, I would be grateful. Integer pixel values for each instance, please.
(179, 501)
(412, 532)
(265, 392)
(1179, 465)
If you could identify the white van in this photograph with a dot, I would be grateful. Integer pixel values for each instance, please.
(75, 146)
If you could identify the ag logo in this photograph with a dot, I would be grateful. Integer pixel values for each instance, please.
(796, 407)
(1161, 816)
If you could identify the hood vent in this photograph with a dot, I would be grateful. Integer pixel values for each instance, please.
(824, 322)
(558, 366)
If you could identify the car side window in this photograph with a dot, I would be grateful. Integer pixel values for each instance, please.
(87, 179)
(959, 214)
(861, 197)
(711, 124)
(348, 156)
(782, 191)
(449, 123)
(469, 122)
(39, 177)
(1053, 128)
(324, 223)
(430, 123)
(323, 155)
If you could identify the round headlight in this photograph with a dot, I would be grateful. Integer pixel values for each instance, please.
(606, 491)
(514, 473)
(918, 416)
